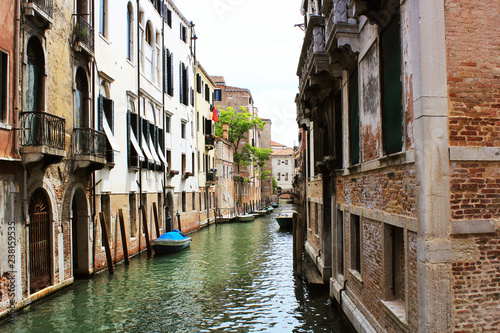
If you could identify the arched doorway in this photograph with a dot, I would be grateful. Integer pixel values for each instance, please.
(40, 244)
(80, 233)
(169, 212)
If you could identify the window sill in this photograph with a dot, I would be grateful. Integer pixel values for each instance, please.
(397, 311)
(357, 276)
(104, 39)
(131, 63)
(5, 126)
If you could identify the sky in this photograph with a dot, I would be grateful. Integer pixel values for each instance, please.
(254, 45)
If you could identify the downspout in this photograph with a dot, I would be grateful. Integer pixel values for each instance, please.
(15, 91)
(163, 115)
(139, 40)
(340, 292)
(93, 172)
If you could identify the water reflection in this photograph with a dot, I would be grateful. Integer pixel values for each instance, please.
(234, 278)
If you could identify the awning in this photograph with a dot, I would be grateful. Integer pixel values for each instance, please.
(136, 144)
(145, 148)
(109, 135)
(162, 157)
(153, 151)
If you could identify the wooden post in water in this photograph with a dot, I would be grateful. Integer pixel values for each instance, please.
(155, 215)
(298, 244)
(124, 237)
(107, 247)
(146, 231)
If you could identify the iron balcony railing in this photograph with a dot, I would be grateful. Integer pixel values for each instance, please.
(209, 140)
(211, 177)
(83, 32)
(42, 129)
(45, 6)
(88, 141)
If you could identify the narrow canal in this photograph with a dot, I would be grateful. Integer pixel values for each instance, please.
(235, 277)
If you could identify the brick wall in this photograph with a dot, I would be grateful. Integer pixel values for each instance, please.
(472, 32)
(475, 190)
(476, 284)
(392, 190)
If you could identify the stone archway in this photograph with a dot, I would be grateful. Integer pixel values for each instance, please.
(80, 233)
(40, 241)
(169, 211)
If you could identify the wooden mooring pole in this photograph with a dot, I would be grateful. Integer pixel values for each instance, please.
(155, 215)
(107, 247)
(124, 237)
(145, 228)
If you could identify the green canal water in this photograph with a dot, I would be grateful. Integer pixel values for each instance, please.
(235, 277)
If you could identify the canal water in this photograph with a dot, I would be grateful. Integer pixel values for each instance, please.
(235, 277)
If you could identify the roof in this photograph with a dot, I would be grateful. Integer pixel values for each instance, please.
(219, 80)
(274, 143)
(283, 152)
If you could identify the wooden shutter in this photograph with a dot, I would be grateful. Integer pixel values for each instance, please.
(181, 90)
(171, 76)
(186, 86)
(392, 122)
(354, 118)
(100, 112)
(165, 70)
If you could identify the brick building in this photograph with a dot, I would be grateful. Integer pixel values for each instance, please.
(399, 116)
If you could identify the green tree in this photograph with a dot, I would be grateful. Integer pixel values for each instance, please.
(239, 125)
(275, 185)
(256, 156)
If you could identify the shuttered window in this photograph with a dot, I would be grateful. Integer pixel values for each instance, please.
(354, 118)
(390, 53)
(4, 82)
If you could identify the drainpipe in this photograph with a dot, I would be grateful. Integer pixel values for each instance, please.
(163, 114)
(92, 91)
(139, 40)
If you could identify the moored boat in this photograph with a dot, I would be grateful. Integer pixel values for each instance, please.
(275, 205)
(261, 212)
(285, 219)
(270, 209)
(246, 218)
(171, 241)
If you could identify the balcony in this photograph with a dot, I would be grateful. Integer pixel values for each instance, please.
(40, 11)
(42, 138)
(209, 141)
(89, 148)
(83, 35)
(211, 177)
(342, 30)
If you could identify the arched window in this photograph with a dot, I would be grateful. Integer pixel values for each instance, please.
(130, 31)
(149, 34)
(34, 76)
(81, 99)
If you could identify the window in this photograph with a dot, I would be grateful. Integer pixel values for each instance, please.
(34, 76)
(193, 200)
(207, 93)
(81, 99)
(103, 17)
(132, 201)
(106, 125)
(169, 160)
(286, 162)
(394, 261)
(130, 31)
(356, 243)
(183, 198)
(353, 118)
(168, 76)
(183, 33)
(149, 34)
(106, 209)
(390, 80)
(218, 95)
(4, 86)
(168, 18)
(192, 162)
(286, 176)
(183, 130)
(183, 84)
(279, 176)
(183, 163)
(167, 124)
(278, 162)
(340, 242)
(316, 218)
(198, 83)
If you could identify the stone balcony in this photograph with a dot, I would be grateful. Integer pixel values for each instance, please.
(89, 148)
(40, 11)
(42, 138)
(83, 36)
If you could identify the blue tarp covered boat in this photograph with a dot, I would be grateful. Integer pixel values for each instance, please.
(171, 241)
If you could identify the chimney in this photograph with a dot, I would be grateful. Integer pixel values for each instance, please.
(224, 131)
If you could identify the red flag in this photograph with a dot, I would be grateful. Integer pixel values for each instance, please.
(215, 116)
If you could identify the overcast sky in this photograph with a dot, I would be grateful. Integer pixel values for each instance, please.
(254, 45)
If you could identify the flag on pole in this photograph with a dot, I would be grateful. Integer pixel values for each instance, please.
(215, 115)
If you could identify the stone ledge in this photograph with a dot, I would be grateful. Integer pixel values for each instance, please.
(465, 227)
(475, 154)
